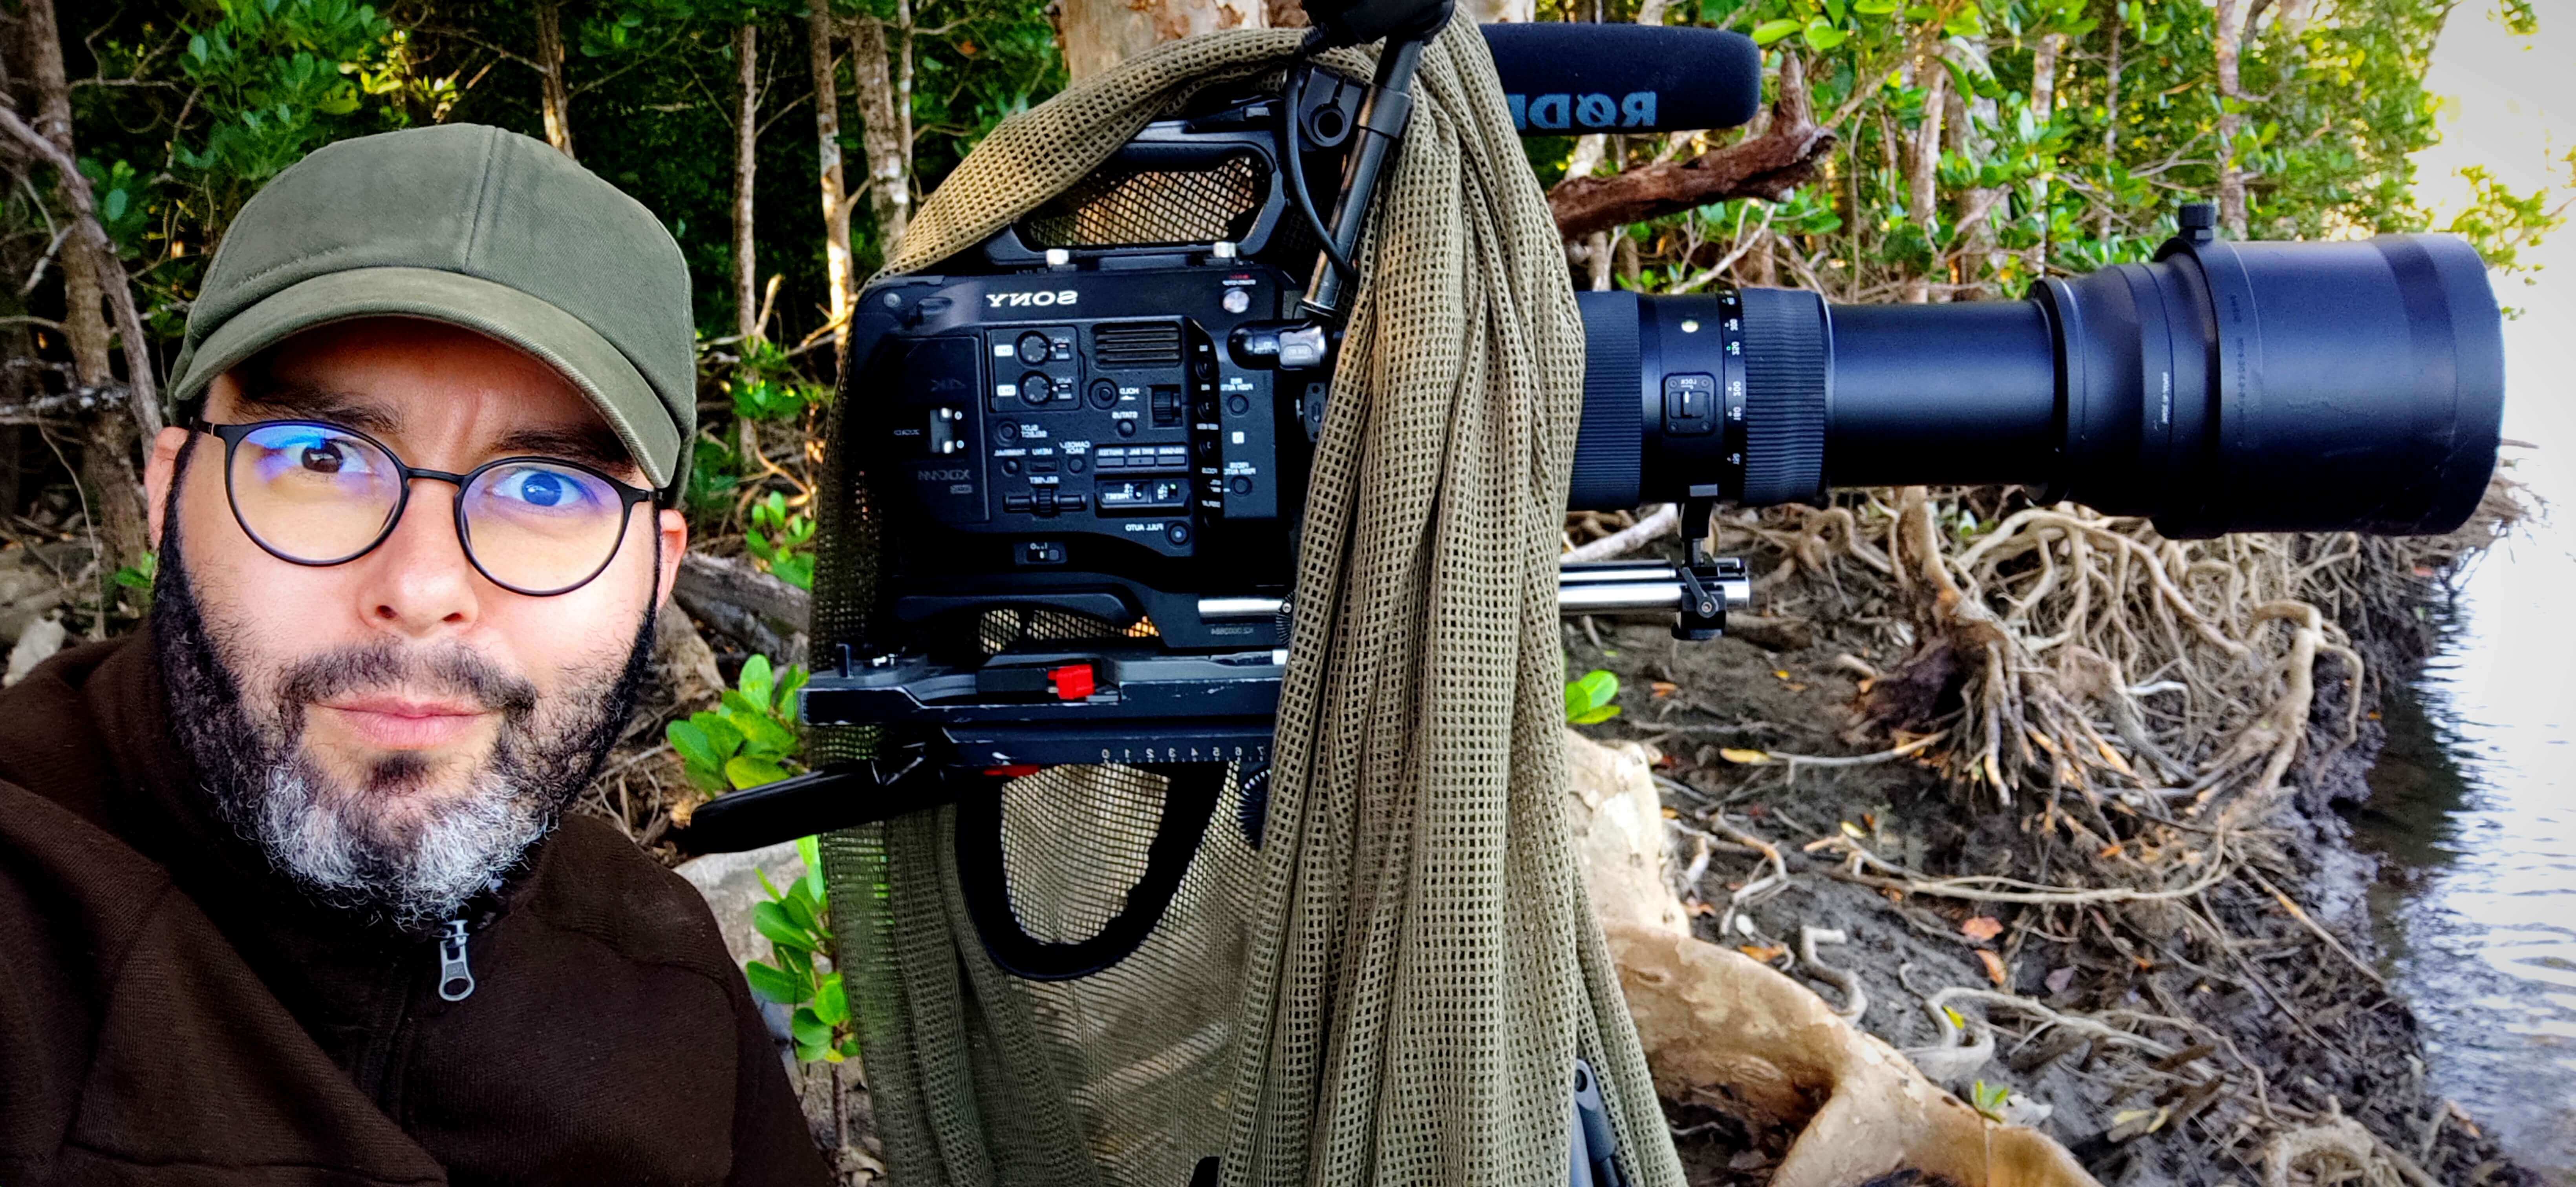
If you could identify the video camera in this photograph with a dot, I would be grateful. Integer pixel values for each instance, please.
(1085, 444)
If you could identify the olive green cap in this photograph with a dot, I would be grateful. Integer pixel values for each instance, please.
(479, 228)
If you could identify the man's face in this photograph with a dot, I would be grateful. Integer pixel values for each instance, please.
(395, 730)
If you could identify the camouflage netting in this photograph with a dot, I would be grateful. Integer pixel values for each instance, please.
(1395, 987)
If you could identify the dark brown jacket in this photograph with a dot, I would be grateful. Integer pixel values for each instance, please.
(172, 1012)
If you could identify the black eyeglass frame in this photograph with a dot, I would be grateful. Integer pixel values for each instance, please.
(232, 434)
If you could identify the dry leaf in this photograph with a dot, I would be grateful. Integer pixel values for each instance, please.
(1663, 688)
(1781, 674)
(1672, 813)
(2110, 850)
(1794, 686)
(1766, 953)
(1699, 909)
(1994, 967)
(1750, 758)
(2059, 979)
(1893, 894)
(1853, 831)
(1983, 927)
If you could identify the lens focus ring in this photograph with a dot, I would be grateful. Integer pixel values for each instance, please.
(1784, 396)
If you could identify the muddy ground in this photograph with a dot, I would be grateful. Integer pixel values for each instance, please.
(2276, 998)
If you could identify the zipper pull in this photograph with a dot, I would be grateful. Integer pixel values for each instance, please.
(455, 978)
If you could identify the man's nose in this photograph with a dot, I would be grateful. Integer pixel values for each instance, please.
(419, 581)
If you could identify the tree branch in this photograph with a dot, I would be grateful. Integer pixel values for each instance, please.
(1769, 166)
(143, 393)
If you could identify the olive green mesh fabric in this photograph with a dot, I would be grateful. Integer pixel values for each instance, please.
(1394, 987)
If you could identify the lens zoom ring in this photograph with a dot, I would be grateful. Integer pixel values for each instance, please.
(1784, 396)
(1609, 450)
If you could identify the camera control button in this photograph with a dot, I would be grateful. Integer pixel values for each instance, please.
(1018, 503)
(1036, 389)
(1034, 348)
(1006, 432)
(1104, 394)
(1690, 404)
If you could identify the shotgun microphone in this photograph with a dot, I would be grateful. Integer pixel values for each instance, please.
(1568, 78)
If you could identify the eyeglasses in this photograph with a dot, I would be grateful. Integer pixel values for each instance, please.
(314, 493)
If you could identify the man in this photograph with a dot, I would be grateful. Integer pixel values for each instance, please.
(288, 891)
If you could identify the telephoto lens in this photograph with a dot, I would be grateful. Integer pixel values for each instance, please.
(2321, 386)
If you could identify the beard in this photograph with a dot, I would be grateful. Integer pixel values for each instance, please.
(387, 846)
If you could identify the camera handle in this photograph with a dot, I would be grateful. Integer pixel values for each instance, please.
(1407, 26)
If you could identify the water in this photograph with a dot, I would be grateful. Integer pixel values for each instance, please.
(2474, 806)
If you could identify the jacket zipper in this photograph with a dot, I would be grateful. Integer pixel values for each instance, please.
(455, 975)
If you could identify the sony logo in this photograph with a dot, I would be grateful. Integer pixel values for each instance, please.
(1557, 113)
(1058, 297)
(947, 475)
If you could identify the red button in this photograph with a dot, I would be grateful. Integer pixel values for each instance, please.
(1072, 681)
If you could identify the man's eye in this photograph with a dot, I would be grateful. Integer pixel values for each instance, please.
(551, 490)
(327, 455)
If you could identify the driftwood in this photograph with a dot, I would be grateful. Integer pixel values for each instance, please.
(758, 611)
(1768, 166)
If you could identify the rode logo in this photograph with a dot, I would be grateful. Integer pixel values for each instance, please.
(1558, 113)
(1014, 300)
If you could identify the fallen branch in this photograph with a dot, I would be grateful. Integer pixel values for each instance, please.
(1627, 539)
(759, 611)
(1769, 166)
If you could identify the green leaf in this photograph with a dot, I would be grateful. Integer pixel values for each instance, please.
(773, 983)
(1597, 716)
(799, 906)
(724, 739)
(831, 1004)
(755, 680)
(810, 1029)
(744, 771)
(770, 920)
(1822, 35)
(808, 849)
(1770, 31)
(1874, 7)
(1969, 23)
(690, 741)
(788, 686)
(764, 737)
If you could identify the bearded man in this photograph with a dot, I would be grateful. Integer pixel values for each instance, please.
(288, 890)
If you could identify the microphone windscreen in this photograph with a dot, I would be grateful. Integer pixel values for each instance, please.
(1568, 78)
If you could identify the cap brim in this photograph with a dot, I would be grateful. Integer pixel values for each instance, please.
(498, 311)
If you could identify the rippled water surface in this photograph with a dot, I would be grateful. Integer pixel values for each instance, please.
(2474, 806)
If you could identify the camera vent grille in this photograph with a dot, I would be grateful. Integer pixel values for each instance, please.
(1137, 344)
(1125, 207)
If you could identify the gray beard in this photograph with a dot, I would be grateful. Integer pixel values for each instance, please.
(341, 843)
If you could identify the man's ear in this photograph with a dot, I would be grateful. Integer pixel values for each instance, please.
(674, 528)
(159, 471)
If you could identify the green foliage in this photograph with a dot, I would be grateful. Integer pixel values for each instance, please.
(1592, 699)
(767, 386)
(798, 925)
(749, 738)
(279, 78)
(778, 541)
(1989, 1099)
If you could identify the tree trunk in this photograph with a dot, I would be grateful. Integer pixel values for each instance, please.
(1923, 161)
(2228, 46)
(1099, 34)
(882, 135)
(746, 143)
(555, 97)
(109, 443)
(1969, 115)
(836, 209)
(2043, 107)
